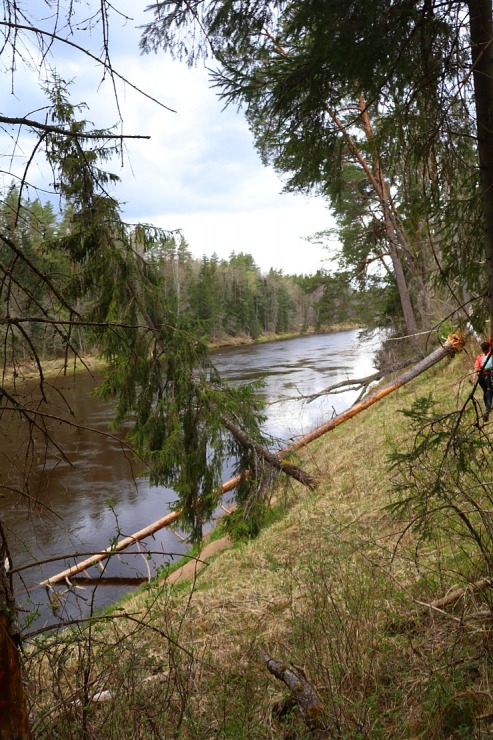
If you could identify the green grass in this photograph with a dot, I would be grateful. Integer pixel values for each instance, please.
(331, 586)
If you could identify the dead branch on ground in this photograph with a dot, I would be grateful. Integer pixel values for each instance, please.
(307, 700)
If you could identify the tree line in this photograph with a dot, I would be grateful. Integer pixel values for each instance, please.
(383, 108)
(220, 297)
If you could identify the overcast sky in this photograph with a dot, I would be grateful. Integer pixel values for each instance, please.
(200, 171)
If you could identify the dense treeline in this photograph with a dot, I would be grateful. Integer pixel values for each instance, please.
(233, 297)
(223, 297)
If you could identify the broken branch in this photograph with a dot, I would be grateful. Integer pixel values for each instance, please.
(308, 701)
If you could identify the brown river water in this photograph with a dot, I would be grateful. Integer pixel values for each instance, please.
(95, 492)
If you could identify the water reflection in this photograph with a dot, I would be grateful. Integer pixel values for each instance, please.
(95, 491)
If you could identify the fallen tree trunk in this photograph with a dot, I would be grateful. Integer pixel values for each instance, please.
(165, 521)
(458, 593)
(234, 429)
(454, 344)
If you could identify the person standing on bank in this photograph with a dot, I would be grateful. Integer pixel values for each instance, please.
(483, 366)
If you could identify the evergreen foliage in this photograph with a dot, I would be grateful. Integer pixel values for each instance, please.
(369, 105)
(158, 368)
(439, 479)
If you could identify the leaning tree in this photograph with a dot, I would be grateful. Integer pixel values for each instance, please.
(395, 87)
(91, 278)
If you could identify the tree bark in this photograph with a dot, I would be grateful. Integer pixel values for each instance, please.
(307, 699)
(481, 32)
(270, 457)
(14, 721)
(390, 224)
(395, 234)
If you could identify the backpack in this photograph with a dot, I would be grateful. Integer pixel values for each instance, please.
(487, 364)
(487, 367)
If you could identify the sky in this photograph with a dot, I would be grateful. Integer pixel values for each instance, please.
(199, 172)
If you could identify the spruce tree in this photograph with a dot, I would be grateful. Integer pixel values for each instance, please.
(158, 367)
(308, 76)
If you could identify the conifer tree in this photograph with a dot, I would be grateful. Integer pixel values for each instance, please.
(301, 71)
(158, 367)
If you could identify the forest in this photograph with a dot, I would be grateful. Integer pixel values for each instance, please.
(223, 298)
(354, 599)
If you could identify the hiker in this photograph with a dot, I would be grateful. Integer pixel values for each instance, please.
(483, 366)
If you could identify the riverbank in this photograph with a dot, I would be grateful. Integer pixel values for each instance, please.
(340, 588)
(28, 369)
(228, 341)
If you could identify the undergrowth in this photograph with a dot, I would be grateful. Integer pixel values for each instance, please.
(338, 585)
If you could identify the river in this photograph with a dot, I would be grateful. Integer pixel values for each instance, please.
(98, 493)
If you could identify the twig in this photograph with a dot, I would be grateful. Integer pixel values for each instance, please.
(458, 593)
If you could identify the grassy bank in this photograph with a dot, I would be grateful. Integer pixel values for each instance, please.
(337, 587)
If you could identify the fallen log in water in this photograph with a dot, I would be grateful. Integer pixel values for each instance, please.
(454, 344)
(165, 521)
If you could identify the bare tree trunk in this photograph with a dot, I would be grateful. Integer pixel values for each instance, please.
(458, 593)
(454, 344)
(392, 227)
(98, 557)
(270, 457)
(395, 234)
(14, 722)
(481, 31)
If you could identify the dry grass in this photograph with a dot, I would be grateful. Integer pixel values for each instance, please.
(330, 588)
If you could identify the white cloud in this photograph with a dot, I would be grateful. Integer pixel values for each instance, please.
(199, 171)
(273, 235)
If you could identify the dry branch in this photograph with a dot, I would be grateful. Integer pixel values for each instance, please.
(308, 701)
(348, 384)
(458, 593)
(270, 457)
(108, 695)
